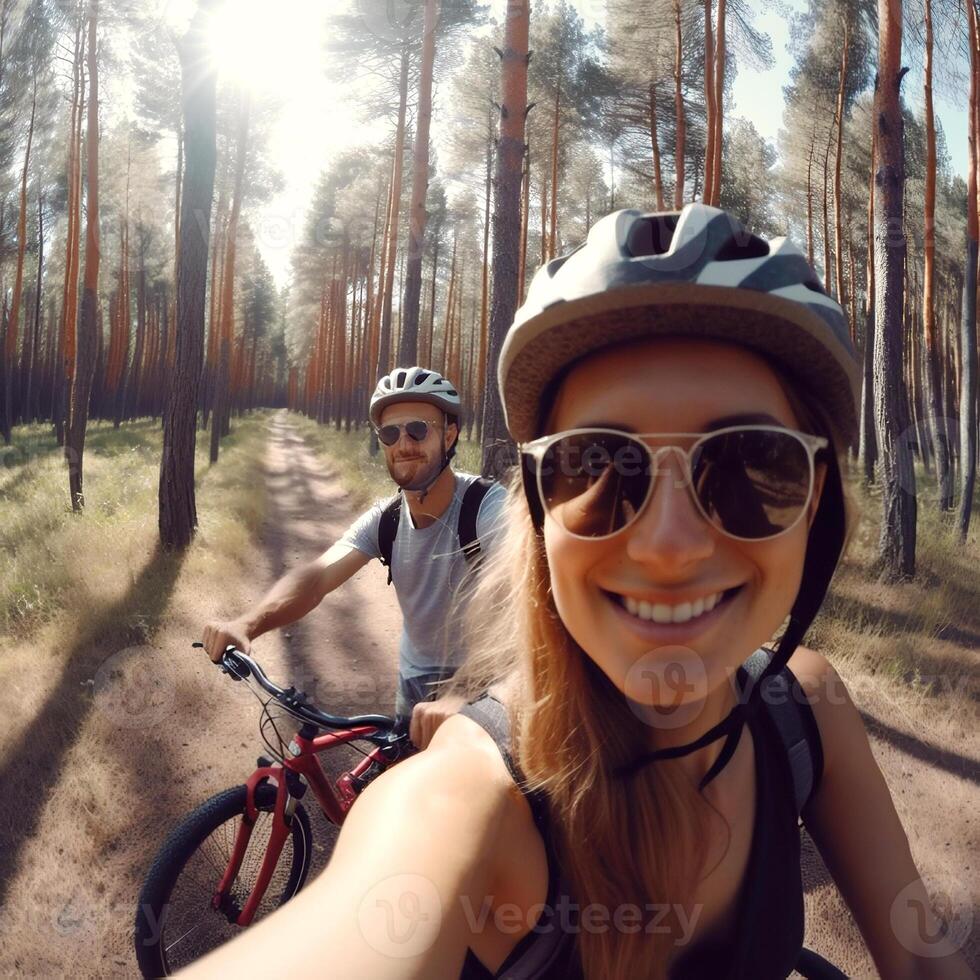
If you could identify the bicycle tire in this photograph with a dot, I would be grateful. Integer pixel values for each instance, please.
(159, 921)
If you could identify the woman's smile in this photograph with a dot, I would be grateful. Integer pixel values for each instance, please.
(672, 622)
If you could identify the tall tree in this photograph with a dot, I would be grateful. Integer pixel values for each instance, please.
(87, 339)
(681, 127)
(506, 221)
(12, 317)
(937, 423)
(178, 509)
(896, 543)
(408, 347)
(968, 321)
(222, 401)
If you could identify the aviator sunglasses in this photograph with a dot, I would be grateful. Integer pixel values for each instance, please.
(417, 430)
(751, 482)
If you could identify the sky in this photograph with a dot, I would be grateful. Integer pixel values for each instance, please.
(318, 119)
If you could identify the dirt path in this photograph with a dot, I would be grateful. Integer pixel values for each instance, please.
(166, 729)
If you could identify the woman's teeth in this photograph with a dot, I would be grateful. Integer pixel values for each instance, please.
(660, 612)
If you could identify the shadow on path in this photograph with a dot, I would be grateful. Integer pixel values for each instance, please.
(34, 762)
(952, 762)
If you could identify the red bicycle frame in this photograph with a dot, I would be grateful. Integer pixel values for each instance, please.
(335, 801)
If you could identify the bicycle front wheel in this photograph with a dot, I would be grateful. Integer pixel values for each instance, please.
(175, 922)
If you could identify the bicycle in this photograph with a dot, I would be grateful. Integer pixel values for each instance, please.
(207, 883)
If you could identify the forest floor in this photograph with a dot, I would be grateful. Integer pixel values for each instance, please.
(115, 727)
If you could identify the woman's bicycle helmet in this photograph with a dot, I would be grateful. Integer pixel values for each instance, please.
(693, 273)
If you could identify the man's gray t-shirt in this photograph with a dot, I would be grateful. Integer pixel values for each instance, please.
(427, 569)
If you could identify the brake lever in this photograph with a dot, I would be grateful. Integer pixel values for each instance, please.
(224, 666)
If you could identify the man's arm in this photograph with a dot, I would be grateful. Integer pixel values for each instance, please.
(291, 598)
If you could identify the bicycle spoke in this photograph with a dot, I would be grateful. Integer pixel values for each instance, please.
(198, 928)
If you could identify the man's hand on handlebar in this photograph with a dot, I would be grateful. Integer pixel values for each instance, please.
(217, 636)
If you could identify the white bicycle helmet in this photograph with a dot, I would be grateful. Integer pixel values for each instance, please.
(696, 273)
(414, 384)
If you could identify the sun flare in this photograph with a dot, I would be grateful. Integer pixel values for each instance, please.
(258, 50)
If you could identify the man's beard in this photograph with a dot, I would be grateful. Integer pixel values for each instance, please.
(420, 478)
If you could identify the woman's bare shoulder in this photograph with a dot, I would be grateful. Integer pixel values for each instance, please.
(460, 760)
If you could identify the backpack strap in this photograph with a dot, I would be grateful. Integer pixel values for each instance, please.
(491, 715)
(789, 709)
(387, 529)
(468, 511)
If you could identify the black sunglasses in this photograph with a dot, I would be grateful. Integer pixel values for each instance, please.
(751, 482)
(417, 429)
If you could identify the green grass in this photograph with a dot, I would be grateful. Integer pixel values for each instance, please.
(911, 634)
(53, 561)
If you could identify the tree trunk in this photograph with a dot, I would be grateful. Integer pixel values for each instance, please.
(525, 217)
(477, 394)
(868, 448)
(33, 377)
(408, 347)
(658, 180)
(384, 343)
(720, 57)
(544, 217)
(938, 424)
(968, 323)
(134, 392)
(450, 306)
(709, 103)
(69, 303)
(838, 204)
(555, 135)
(85, 350)
(124, 326)
(11, 334)
(430, 333)
(828, 262)
(679, 111)
(223, 389)
(896, 544)
(497, 447)
(809, 198)
(178, 510)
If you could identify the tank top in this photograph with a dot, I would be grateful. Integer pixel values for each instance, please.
(768, 931)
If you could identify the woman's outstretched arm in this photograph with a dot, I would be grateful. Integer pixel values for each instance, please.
(853, 822)
(415, 853)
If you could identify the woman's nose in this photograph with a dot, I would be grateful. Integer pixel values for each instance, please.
(670, 532)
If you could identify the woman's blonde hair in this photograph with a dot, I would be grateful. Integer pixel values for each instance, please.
(571, 730)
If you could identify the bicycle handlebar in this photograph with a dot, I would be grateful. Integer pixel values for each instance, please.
(239, 666)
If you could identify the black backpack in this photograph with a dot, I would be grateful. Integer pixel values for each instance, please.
(465, 529)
